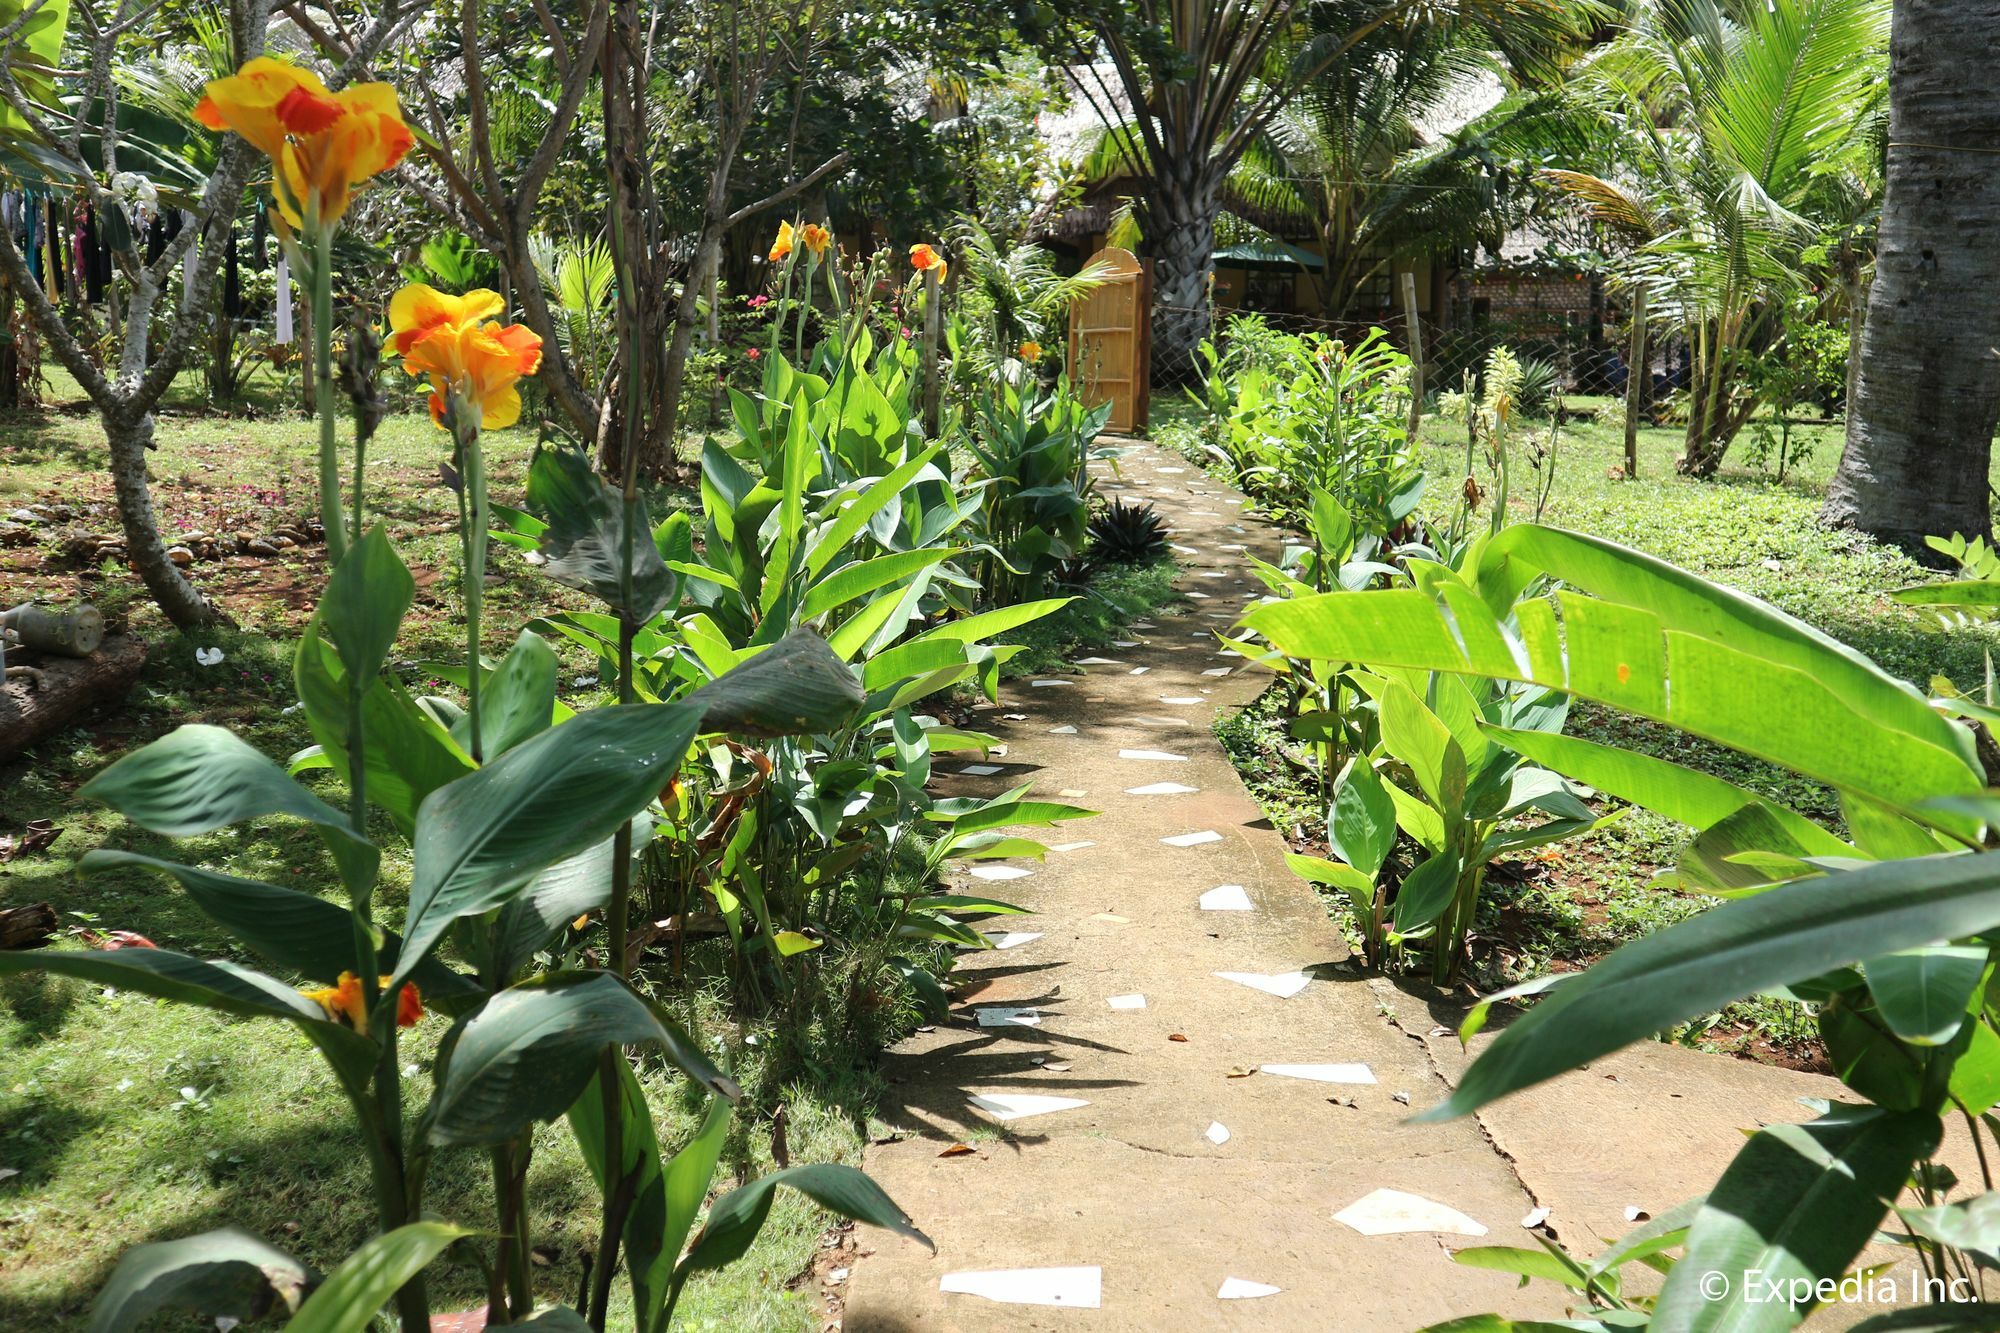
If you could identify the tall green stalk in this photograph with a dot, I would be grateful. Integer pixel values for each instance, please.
(322, 336)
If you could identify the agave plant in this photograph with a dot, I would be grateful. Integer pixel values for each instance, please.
(1128, 534)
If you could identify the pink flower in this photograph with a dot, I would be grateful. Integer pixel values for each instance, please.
(758, 302)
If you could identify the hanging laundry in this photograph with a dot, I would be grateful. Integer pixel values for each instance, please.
(284, 333)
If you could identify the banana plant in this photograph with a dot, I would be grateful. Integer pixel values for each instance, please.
(1888, 933)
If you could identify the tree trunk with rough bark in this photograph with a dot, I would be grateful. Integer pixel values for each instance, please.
(182, 602)
(1182, 233)
(1927, 396)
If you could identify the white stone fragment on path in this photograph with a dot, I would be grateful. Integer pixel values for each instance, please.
(1127, 643)
(1284, 985)
(1009, 1018)
(1127, 1002)
(1192, 839)
(1359, 1074)
(1079, 1288)
(1153, 756)
(1243, 1289)
(1226, 898)
(1392, 1212)
(1011, 939)
(1016, 1105)
(1187, 550)
(1139, 671)
(1161, 789)
(1215, 574)
(1014, 717)
(1045, 684)
(1218, 671)
(1097, 661)
(1071, 846)
(1181, 699)
(1064, 730)
(1144, 624)
(1170, 471)
(1198, 596)
(979, 770)
(999, 872)
(1218, 1133)
(1535, 1218)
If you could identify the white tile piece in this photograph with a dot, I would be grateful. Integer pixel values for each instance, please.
(1139, 671)
(1008, 1018)
(1153, 756)
(1015, 717)
(1358, 1074)
(1127, 1002)
(1161, 789)
(1192, 839)
(1097, 661)
(1227, 898)
(1016, 1105)
(1078, 1288)
(1011, 939)
(1218, 671)
(1127, 643)
(1218, 1133)
(1198, 596)
(979, 770)
(1064, 730)
(1187, 550)
(1215, 573)
(1170, 471)
(1284, 985)
(1045, 684)
(1243, 1289)
(1071, 846)
(1144, 624)
(999, 872)
(1391, 1212)
(1181, 699)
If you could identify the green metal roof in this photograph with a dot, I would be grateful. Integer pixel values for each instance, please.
(1272, 254)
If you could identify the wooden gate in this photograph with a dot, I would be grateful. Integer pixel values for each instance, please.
(1111, 342)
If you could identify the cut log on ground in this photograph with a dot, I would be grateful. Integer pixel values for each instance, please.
(33, 710)
(26, 927)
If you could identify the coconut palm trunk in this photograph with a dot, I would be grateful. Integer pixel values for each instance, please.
(1182, 213)
(1927, 392)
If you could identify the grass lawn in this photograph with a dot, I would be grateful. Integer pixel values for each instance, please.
(1578, 899)
(123, 1119)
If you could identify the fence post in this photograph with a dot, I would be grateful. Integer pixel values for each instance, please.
(1416, 337)
(933, 329)
(1638, 379)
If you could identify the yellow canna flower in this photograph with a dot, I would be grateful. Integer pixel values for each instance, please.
(343, 1002)
(451, 340)
(781, 248)
(815, 238)
(320, 142)
(1031, 351)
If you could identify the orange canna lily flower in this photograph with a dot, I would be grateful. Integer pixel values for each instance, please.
(781, 249)
(815, 238)
(923, 258)
(321, 142)
(452, 340)
(343, 1002)
(1031, 351)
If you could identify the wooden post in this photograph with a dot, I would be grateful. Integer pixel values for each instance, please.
(933, 331)
(1638, 379)
(1415, 331)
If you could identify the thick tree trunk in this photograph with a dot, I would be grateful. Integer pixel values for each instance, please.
(182, 601)
(1183, 243)
(1927, 396)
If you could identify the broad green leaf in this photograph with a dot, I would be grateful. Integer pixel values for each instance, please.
(837, 535)
(558, 896)
(685, 1188)
(1799, 1202)
(1666, 1232)
(959, 902)
(1362, 829)
(486, 836)
(352, 1295)
(1965, 1317)
(1413, 734)
(365, 600)
(649, 1258)
(1970, 1224)
(853, 581)
(199, 778)
(221, 986)
(519, 696)
(223, 1274)
(1789, 934)
(735, 1220)
(590, 528)
(1525, 1263)
(296, 930)
(527, 1053)
(1975, 1075)
(1016, 813)
(1426, 892)
(797, 686)
(1922, 993)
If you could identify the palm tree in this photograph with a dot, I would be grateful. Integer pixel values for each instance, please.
(1927, 396)
(1743, 126)
(1197, 81)
(1013, 293)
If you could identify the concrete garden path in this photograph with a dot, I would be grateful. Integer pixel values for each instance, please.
(1170, 1168)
